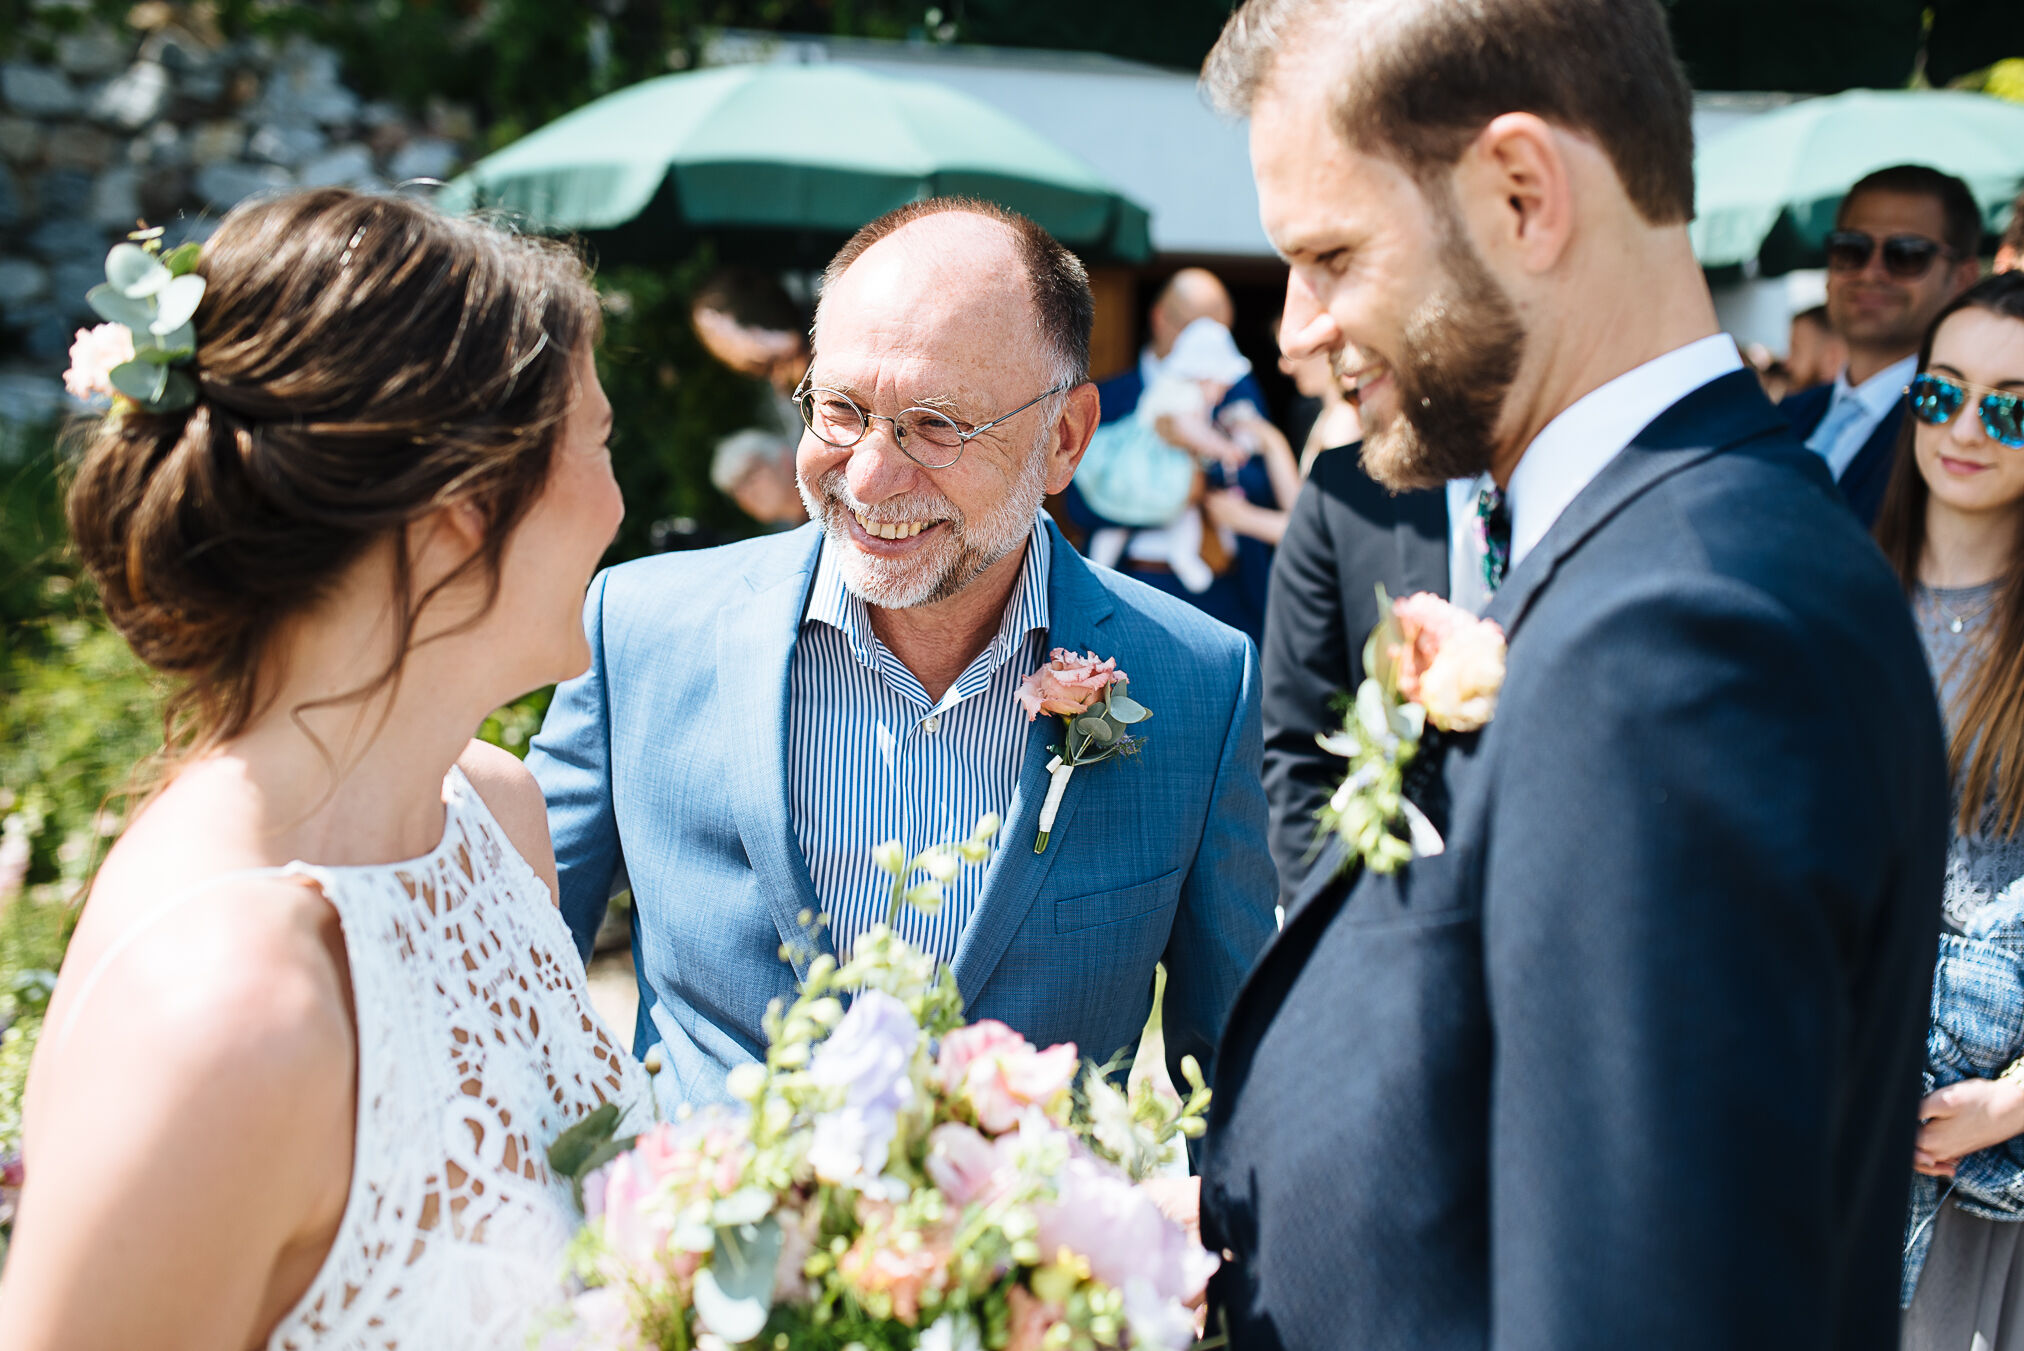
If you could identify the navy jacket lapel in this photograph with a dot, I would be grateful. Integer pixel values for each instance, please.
(755, 660)
(1719, 414)
(1421, 532)
(1077, 606)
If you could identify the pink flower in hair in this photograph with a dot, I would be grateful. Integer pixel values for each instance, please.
(92, 358)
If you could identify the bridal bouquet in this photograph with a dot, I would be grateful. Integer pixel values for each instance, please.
(890, 1178)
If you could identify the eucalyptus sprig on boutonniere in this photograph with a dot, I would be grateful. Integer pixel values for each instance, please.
(1089, 695)
(1427, 664)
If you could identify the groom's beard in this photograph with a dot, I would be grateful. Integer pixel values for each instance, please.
(957, 554)
(1458, 355)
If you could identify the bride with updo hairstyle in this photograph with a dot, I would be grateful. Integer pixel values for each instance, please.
(321, 1019)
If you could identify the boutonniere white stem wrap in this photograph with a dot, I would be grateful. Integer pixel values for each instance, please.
(1427, 664)
(1088, 694)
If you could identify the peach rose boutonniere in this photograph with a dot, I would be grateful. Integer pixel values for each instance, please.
(1428, 663)
(1088, 694)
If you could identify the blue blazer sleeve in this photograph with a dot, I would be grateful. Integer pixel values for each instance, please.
(571, 760)
(1225, 916)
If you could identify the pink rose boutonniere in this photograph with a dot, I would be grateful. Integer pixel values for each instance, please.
(1428, 663)
(1088, 694)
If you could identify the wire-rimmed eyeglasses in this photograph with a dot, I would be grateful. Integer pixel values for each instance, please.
(930, 439)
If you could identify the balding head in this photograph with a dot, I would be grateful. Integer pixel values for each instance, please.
(978, 244)
(1190, 294)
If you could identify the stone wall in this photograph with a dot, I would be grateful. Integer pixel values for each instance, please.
(166, 125)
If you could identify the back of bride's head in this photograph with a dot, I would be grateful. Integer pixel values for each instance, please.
(361, 361)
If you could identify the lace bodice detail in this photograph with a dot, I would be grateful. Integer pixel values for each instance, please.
(477, 1045)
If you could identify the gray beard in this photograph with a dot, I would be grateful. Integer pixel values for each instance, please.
(964, 551)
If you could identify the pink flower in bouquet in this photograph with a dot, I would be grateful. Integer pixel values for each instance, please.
(636, 1195)
(1030, 1320)
(1121, 1232)
(92, 357)
(1001, 1074)
(877, 1263)
(1449, 662)
(1068, 685)
(963, 1165)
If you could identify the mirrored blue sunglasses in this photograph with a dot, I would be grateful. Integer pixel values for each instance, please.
(1937, 398)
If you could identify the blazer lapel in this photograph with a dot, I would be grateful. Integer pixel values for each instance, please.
(1720, 414)
(755, 661)
(1077, 606)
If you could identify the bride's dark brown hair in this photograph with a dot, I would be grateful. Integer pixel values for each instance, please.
(362, 361)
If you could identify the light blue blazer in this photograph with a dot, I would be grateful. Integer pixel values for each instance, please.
(665, 763)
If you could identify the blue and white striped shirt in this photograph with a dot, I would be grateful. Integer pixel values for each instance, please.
(871, 758)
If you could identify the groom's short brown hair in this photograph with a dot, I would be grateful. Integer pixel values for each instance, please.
(1419, 79)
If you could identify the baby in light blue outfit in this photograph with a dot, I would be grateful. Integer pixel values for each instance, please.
(1138, 477)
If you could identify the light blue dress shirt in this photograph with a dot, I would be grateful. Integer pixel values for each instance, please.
(871, 758)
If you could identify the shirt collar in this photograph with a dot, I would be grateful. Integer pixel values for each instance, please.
(831, 602)
(1573, 448)
(1880, 391)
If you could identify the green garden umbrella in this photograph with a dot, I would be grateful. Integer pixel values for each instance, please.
(1767, 189)
(795, 156)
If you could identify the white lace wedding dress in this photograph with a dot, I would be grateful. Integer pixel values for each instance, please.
(477, 1045)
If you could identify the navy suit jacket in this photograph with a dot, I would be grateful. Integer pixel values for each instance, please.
(666, 764)
(1634, 1062)
(1863, 482)
(1347, 535)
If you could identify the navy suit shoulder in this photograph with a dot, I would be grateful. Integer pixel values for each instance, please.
(1680, 884)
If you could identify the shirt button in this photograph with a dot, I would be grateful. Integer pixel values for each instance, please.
(932, 723)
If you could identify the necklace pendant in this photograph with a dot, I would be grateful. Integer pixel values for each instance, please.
(1954, 624)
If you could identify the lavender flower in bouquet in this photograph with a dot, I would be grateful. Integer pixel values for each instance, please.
(889, 1177)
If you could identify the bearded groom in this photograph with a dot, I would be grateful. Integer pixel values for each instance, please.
(1633, 1060)
(758, 718)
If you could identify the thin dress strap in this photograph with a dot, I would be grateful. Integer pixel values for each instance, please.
(176, 902)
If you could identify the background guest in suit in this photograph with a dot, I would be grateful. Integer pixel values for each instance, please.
(1631, 1061)
(2010, 253)
(1904, 244)
(1814, 356)
(758, 718)
(1953, 527)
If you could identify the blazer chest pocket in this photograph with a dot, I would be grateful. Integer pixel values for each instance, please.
(1114, 907)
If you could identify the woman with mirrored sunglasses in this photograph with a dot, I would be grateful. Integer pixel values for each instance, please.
(1952, 525)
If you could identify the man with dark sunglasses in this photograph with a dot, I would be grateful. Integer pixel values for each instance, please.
(1904, 244)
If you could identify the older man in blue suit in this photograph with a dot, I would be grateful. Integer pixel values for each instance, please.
(758, 718)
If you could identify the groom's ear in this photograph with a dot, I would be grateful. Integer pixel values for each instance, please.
(1070, 435)
(1515, 189)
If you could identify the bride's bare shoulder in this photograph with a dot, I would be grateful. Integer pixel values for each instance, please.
(189, 945)
(515, 801)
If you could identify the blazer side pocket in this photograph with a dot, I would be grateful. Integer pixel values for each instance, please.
(1072, 913)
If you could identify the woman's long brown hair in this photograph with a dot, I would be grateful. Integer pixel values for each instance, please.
(1985, 749)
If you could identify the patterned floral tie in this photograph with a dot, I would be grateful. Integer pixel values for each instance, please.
(1493, 526)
